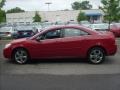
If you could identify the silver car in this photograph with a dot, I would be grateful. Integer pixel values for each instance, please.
(6, 31)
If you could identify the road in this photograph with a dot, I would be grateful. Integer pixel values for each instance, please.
(72, 74)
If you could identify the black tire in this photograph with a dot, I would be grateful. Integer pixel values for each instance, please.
(96, 55)
(20, 56)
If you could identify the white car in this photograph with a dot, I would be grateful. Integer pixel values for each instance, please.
(6, 31)
(100, 27)
(85, 23)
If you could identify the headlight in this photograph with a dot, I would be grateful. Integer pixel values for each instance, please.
(7, 45)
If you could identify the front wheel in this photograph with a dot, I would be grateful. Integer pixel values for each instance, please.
(96, 55)
(20, 56)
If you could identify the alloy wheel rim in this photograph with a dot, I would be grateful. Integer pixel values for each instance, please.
(96, 56)
(21, 56)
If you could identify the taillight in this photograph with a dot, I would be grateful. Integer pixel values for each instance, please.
(7, 33)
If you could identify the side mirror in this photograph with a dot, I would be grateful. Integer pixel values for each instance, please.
(39, 38)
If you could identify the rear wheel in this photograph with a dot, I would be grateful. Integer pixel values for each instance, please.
(20, 56)
(96, 55)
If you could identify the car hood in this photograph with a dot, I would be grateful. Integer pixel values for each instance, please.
(19, 40)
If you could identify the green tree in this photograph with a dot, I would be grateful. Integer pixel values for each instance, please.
(81, 5)
(37, 17)
(2, 12)
(81, 16)
(76, 6)
(2, 16)
(111, 8)
(15, 10)
(2, 2)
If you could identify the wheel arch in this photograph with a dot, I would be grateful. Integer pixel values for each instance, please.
(97, 46)
(14, 49)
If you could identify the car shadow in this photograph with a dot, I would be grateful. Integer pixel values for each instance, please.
(108, 61)
(51, 61)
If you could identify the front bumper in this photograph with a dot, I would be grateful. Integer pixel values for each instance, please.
(7, 53)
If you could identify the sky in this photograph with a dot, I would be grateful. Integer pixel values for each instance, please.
(39, 5)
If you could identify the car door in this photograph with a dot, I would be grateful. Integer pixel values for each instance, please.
(73, 42)
(47, 46)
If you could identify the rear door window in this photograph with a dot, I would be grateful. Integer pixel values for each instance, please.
(70, 32)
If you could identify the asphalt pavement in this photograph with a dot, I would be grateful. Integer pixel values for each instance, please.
(70, 74)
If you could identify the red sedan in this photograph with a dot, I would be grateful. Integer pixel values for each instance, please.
(63, 42)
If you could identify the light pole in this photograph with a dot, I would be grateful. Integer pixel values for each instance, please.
(48, 3)
(109, 21)
(81, 4)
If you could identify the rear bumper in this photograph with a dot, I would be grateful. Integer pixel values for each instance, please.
(116, 33)
(112, 50)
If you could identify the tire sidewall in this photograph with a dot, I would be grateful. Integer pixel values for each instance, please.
(13, 56)
(96, 48)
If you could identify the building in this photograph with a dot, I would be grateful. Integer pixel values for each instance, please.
(53, 16)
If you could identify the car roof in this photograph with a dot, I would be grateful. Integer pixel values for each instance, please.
(87, 29)
(22, 28)
(6, 29)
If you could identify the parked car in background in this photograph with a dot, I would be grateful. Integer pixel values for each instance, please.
(84, 22)
(23, 31)
(6, 32)
(115, 28)
(71, 22)
(46, 24)
(63, 42)
(59, 23)
(37, 28)
(100, 27)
